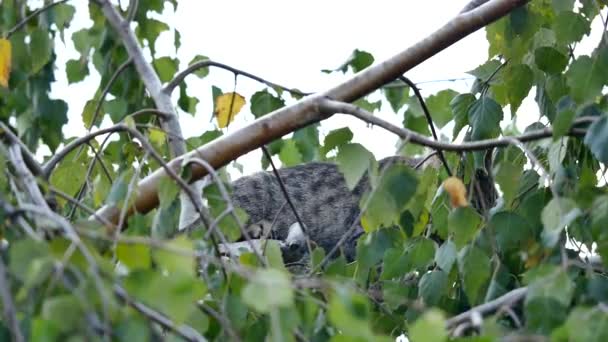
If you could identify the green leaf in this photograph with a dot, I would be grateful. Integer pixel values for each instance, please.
(386, 202)
(166, 68)
(290, 155)
(117, 108)
(446, 256)
(337, 138)
(460, 107)
(562, 5)
(176, 263)
(587, 325)
(268, 289)
(349, 312)
(550, 60)
(544, 314)
(353, 161)
(186, 103)
(551, 282)
(134, 256)
(512, 231)
(463, 225)
(76, 70)
(119, 190)
(486, 70)
(518, 80)
(65, 311)
(429, 328)
(439, 106)
(596, 139)
(41, 48)
(599, 217)
(200, 72)
(365, 104)
(475, 269)
(263, 103)
(570, 27)
(484, 117)
(373, 246)
(432, 286)
(508, 168)
(23, 254)
(63, 14)
(150, 29)
(168, 190)
(587, 75)
(68, 177)
(397, 97)
(556, 215)
(174, 295)
(358, 61)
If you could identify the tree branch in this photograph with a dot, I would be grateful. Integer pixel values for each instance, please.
(106, 89)
(507, 299)
(8, 306)
(306, 111)
(184, 331)
(329, 106)
(429, 119)
(207, 63)
(32, 15)
(28, 157)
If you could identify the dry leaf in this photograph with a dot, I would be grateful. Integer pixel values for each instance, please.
(5, 61)
(227, 106)
(457, 192)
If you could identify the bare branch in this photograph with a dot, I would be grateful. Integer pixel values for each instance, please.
(306, 111)
(8, 306)
(153, 84)
(507, 299)
(28, 157)
(329, 106)
(472, 5)
(147, 74)
(179, 78)
(429, 120)
(106, 89)
(288, 198)
(32, 15)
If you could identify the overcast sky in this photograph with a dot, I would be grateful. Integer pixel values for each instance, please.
(289, 42)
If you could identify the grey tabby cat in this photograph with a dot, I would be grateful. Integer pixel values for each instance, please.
(318, 190)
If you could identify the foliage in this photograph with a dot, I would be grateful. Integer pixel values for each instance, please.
(422, 259)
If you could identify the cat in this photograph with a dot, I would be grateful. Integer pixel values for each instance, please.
(327, 207)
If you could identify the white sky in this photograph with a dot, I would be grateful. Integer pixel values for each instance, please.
(289, 43)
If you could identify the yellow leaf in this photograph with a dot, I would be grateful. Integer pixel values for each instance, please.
(5, 61)
(227, 106)
(157, 137)
(457, 192)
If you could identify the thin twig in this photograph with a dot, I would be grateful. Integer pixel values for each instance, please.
(28, 156)
(429, 119)
(37, 12)
(330, 106)
(80, 205)
(222, 320)
(8, 305)
(106, 90)
(207, 63)
(288, 197)
(184, 331)
(133, 7)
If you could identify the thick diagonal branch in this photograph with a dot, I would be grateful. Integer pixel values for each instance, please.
(288, 119)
